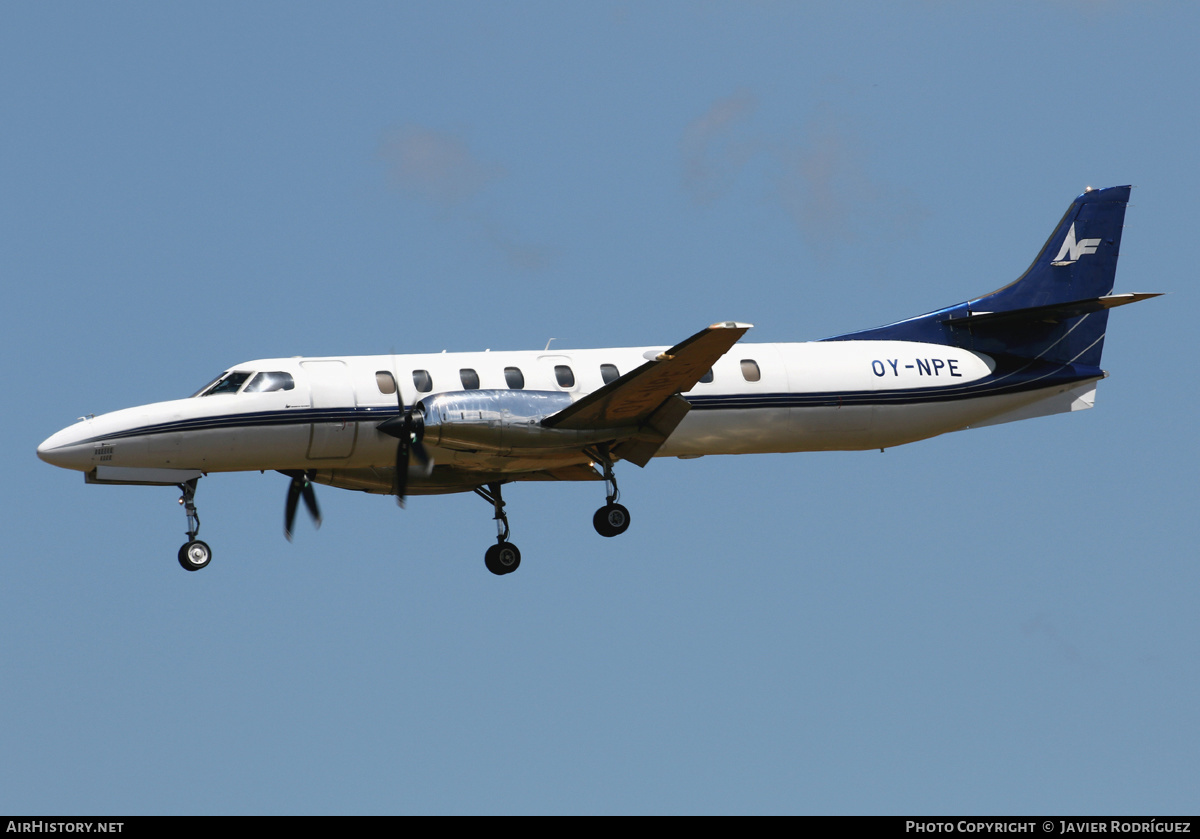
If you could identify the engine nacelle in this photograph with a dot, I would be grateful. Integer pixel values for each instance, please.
(502, 421)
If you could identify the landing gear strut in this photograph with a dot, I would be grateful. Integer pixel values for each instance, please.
(194, 554)
(502, 557)
(612, 519)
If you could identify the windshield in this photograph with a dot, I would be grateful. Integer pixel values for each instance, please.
(207, 386)
(226, 383)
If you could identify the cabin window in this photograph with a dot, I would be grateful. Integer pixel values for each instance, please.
(268, 382)
(422, 381)
(469, 378)
(514, 377)
(707, 377)
(386, 381)
(229, 384)
(750, 371)
(609, 373)
(564, 375)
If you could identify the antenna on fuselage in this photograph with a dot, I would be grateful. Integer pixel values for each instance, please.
(548, 345)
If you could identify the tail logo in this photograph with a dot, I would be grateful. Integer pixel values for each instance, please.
(1074, 249)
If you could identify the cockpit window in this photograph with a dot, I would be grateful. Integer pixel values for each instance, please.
(207, 386)
(267, 382)
(229, 384)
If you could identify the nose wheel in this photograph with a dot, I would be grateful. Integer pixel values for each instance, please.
(194, 554)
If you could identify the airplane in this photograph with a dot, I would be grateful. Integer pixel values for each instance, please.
(462, 422)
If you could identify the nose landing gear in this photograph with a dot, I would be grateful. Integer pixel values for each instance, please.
(194, 554)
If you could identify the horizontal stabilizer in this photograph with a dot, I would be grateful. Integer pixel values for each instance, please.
(1054, 313)
(1071, 279)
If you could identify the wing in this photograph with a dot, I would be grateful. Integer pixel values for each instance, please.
(647, 398)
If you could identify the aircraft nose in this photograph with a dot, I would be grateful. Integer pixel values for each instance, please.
(67, 449)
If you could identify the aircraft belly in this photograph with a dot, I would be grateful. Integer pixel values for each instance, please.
(900, 424)
(833, 428)
(732, 431)
(767, 430)
(506, 464)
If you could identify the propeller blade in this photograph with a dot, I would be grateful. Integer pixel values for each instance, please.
(289, 512)
(300, 487)
(407, 427)
(310, 501)
(423, 457)
(400, 480)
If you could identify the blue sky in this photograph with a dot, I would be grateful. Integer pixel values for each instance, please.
(997, 621)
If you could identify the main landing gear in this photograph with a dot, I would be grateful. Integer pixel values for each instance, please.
(502, 557)
(194, 554)
(612, 519)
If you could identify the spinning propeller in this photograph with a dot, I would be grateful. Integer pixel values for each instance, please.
(408, 428)
(301, 487)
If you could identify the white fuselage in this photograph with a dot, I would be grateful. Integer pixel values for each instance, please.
(838, 395)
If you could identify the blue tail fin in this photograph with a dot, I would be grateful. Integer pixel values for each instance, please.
(1078, 261)
(1056, 311)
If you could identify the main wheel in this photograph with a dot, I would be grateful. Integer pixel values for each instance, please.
(503, 558)
(195, 555)
(611, 520)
